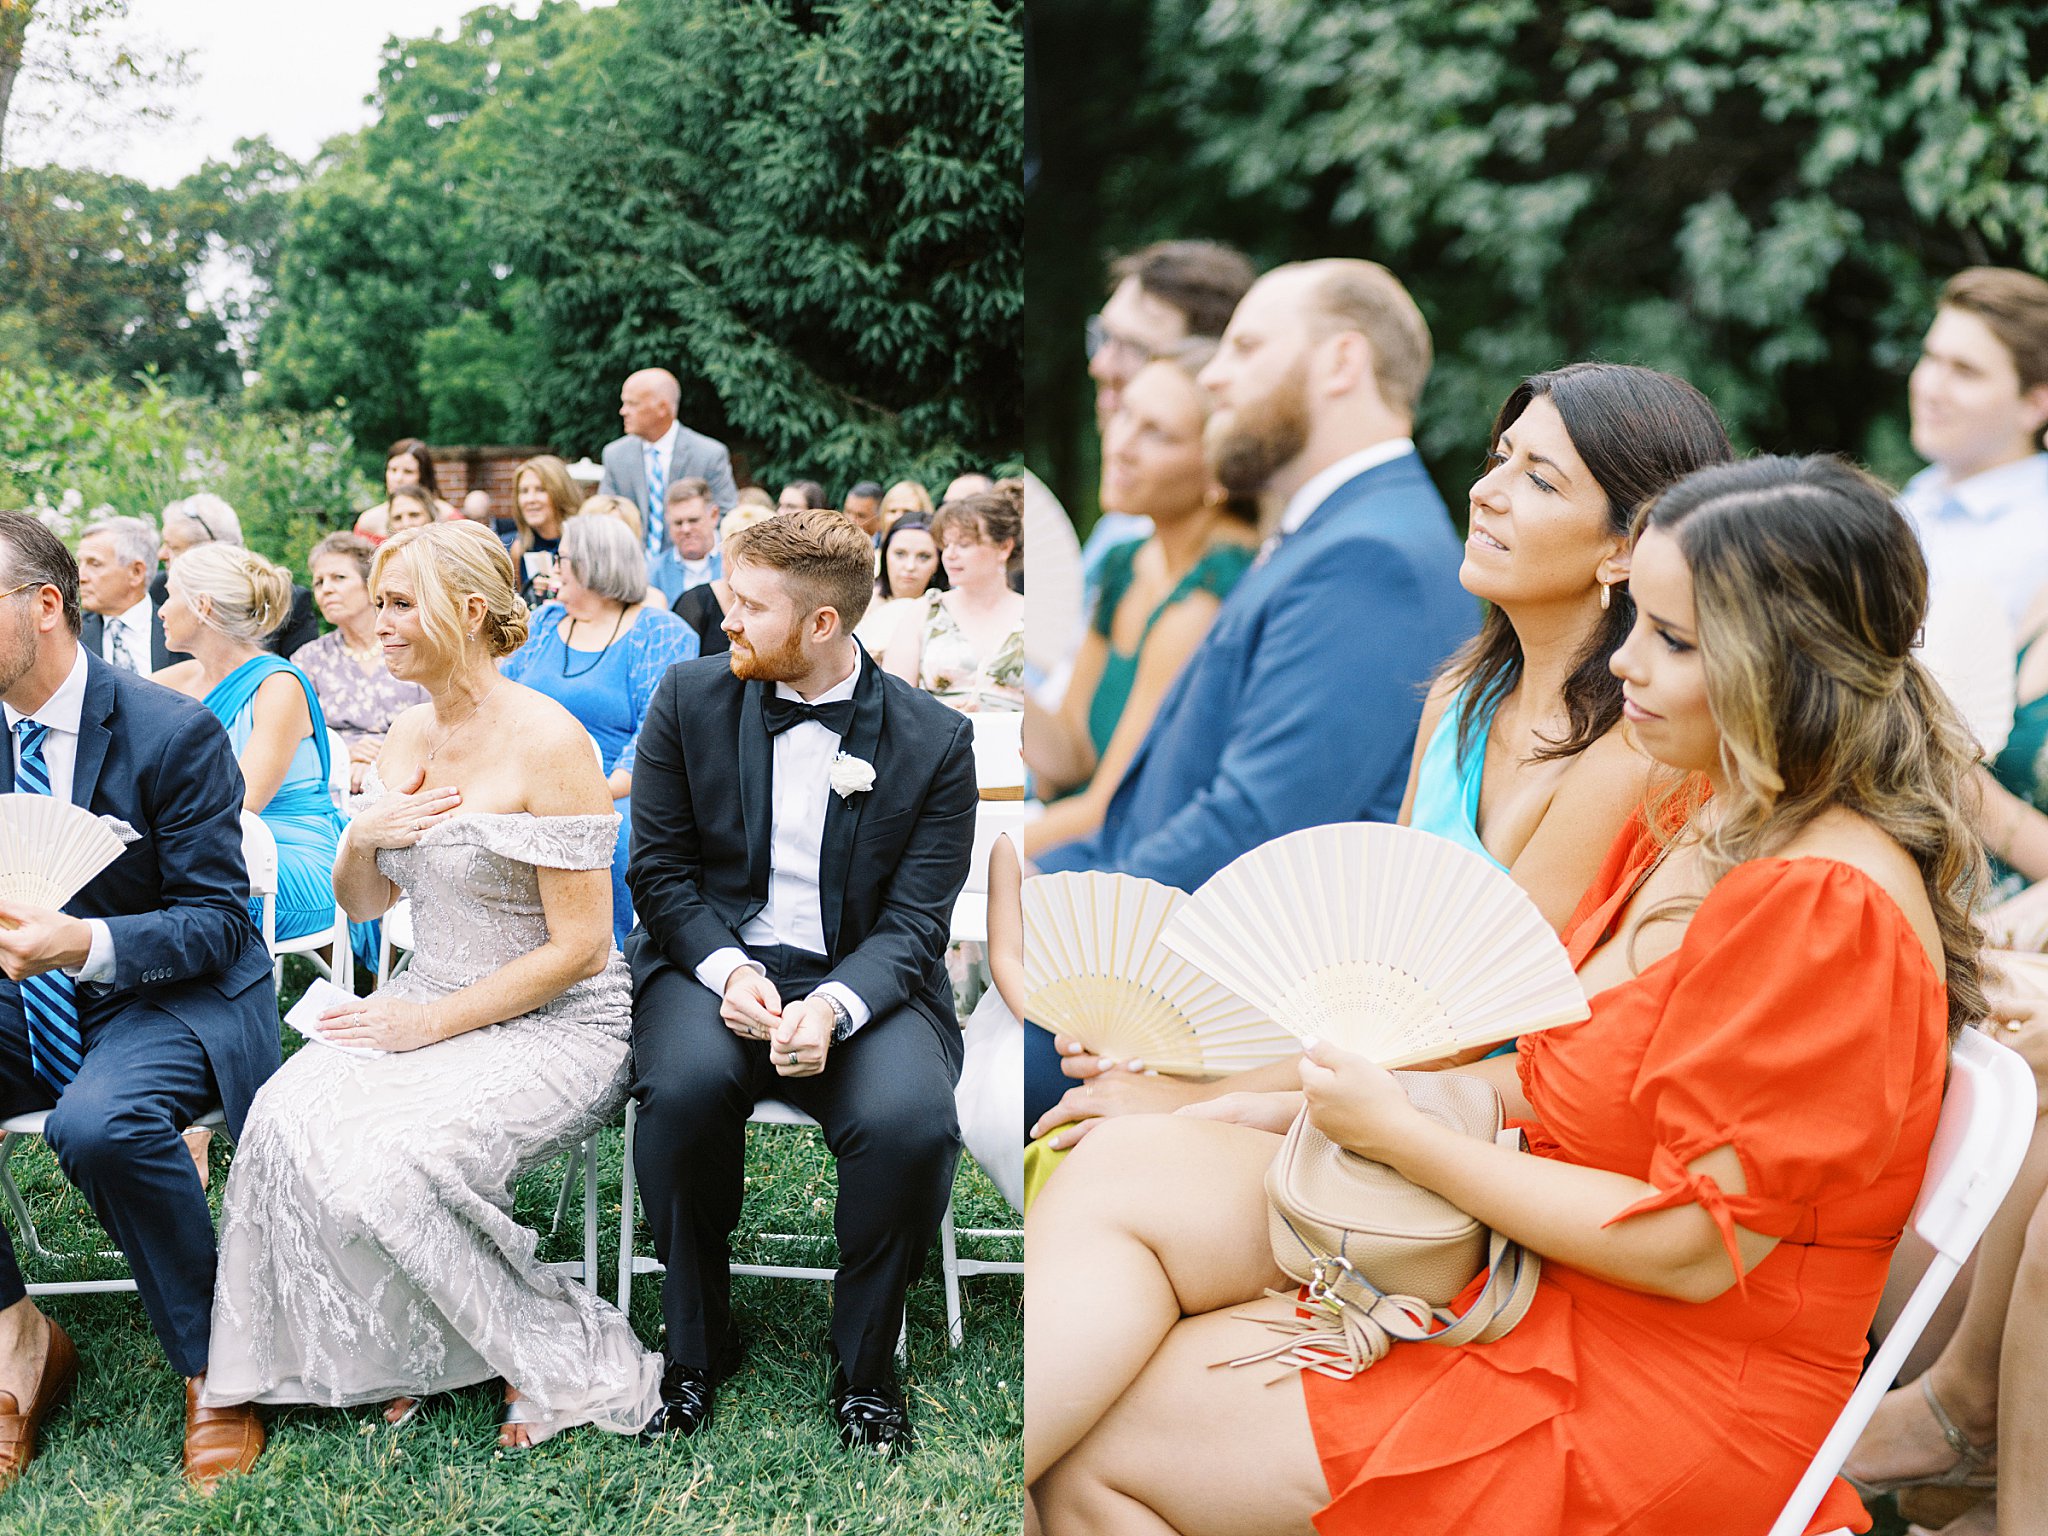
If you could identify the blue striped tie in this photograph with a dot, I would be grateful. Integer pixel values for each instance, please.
(657, 500)
(49, 1001)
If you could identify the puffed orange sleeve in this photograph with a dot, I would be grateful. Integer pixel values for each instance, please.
(1803, 1013)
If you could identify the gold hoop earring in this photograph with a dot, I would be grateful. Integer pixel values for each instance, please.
(1606, 595)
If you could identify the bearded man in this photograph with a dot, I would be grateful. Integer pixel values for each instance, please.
(802, 825)
(1300, 706)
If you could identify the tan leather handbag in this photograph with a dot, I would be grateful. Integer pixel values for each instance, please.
(1382, 1257)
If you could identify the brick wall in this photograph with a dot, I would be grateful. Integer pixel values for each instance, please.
(491, 468)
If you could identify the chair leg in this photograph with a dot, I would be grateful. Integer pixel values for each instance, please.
(24, 1224)
(590, 1211)
(629, 1198)
(562, 1201)
(949, 1252)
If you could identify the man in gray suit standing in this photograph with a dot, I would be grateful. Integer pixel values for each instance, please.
(657, 450)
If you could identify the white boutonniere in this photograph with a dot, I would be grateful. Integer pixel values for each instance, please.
(852, 776)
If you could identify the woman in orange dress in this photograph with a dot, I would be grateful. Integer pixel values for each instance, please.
(1724, 1153)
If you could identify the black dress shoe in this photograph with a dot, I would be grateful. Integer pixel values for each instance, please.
(687, 1393)
(871, 1417)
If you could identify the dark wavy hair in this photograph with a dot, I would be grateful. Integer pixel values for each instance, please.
(908, 522)
(1637, 431)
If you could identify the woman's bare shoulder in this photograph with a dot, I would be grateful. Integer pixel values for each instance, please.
(1848, 838)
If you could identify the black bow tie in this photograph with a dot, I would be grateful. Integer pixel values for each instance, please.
(779, 714)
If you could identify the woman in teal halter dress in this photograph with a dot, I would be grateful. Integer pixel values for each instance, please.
(219, 600)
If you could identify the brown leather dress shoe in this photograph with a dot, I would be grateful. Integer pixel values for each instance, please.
(18, 1430)
(218, 1441)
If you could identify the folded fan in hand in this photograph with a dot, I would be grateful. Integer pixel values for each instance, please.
(1390, 942)
(1094, 969)
(50, 848)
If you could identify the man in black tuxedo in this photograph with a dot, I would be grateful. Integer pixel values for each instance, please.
(142, 1004)
(121, 625)
(802, 825)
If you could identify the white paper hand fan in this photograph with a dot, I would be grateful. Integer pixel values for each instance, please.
(1383, 940)
(50, 848)
(1055, 618)
(1094, 969)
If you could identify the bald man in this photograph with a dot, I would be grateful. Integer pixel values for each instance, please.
(658, 450)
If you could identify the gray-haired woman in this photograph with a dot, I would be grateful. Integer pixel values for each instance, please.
(598, 650)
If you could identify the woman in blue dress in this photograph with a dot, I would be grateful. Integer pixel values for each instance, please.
(598, 650)
(222, 600)
(1521, 756)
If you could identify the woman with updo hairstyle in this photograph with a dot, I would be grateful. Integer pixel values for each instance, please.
(1720, 1158)
(967, 648)
(368, 1248)
(220, 603)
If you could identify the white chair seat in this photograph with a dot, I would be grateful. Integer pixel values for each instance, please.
(31, 1123)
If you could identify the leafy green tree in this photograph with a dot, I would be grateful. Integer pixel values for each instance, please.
(812, 215)
(75, 46)
(1760, 196)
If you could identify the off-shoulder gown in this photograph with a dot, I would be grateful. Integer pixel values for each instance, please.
(368, 1248)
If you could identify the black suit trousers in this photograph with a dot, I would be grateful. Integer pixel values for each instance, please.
(885, 1102)
(115, 1132)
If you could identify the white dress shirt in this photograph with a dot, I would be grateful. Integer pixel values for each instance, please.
(794, 916)
(1991, 528)
(61, 712)
(134, 625)
(1318, 488)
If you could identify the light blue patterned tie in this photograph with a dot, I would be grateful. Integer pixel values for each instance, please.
(49, 1001)
(657, 501)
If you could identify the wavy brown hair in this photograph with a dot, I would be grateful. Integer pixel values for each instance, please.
(1809, 590)
(1637, 431)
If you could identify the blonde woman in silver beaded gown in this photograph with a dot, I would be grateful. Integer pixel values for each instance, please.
(368, 1251)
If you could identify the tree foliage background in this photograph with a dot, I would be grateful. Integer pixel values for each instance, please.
(1763, 196)
(811, 213)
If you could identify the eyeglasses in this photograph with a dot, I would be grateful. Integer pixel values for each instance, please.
(24, 587)
(1100, 338)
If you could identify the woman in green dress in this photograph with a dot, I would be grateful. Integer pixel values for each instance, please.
(1159, 596)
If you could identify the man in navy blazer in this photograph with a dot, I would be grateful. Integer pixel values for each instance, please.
(141, 1005)
(1301, 704)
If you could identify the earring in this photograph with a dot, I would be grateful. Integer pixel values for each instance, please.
(1606, 596)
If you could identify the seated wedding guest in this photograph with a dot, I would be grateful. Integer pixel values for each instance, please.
(1300, 705)
(1162, 298)
(206, 519)
(408, 507)
(476, 508)
(1157, 596)
(864, 505)
(990, 1094)
(967, 646)
(1721, 1158)
(909, 569)
(357, 692)
(223, 600)
(598, 650)
(1522, 756)
(116, 558)
(544, 498)
(973, 483)
(802, 495)
(1977, 1416)
(802, 827)
(175, 1014)
(750, 496)
(368, 1249)
(658, 449)
(407, 465)
(690, 557)
(903, 497)
(704, 607)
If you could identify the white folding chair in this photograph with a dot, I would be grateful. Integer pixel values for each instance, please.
(999, 753)
(259, 852)
(992, 818)
(338, 770)
(27, 1240)
(769, 1112)
(584, 1157)
(1987, 1119)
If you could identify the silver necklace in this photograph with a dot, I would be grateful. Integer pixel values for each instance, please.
(453, 730)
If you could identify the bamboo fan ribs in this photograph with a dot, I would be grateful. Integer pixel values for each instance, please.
(1390, 942)
(1094, 969)
(50, 848)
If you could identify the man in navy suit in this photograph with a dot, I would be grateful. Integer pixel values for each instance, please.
(141, 1005)
(1301, 704)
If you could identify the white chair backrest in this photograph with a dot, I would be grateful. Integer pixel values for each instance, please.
(999, 748)
(1987, 1120)
(259, 852)
(337, 770)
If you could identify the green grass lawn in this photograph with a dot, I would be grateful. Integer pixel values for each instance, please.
(771, 1461)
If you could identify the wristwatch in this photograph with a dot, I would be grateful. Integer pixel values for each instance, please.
(842, 1017)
